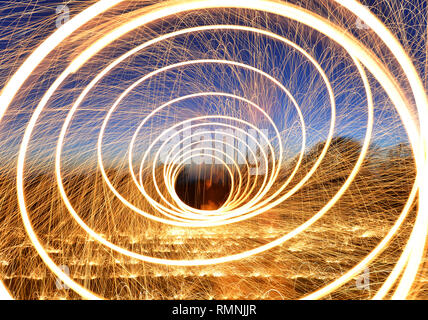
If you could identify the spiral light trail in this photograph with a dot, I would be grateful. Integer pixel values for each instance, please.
(252, 194)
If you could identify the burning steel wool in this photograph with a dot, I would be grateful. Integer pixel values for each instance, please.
(213, 149)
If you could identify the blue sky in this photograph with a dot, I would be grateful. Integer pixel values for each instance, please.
(21, 20)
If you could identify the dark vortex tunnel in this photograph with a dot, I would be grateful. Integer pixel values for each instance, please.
(203, 188)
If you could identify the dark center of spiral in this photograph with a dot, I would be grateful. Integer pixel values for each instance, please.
(201, 187)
